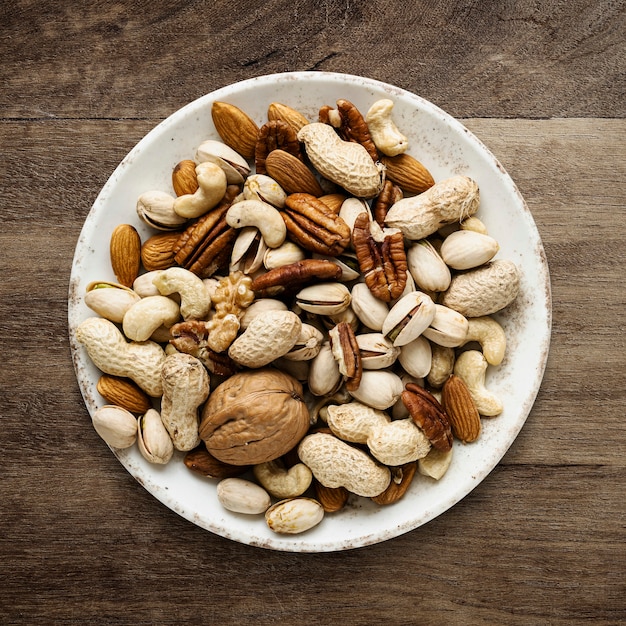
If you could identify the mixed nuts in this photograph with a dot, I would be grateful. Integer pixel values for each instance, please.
(311, 317)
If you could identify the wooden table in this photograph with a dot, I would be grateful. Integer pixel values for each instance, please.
(541, 540)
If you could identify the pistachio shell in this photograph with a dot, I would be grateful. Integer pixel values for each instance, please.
(324, 375)
(436, 463)
(232, 163)
(242, 496)
(248, 251)
(154, 442)
(351, 209)
(264, 188)
(416, 357)
(258, 307)
(110, 300)
(465, 249)
(294, 515)
(447, 328)
(348, 263)
(377, 352)
(307, 345)
(117, 426)
(324, 298)
(427, 267)
(408, 318)
(368, 308)
(285, 254)
(379, 389)
(156, 209)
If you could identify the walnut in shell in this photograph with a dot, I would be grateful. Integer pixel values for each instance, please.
(254, 417)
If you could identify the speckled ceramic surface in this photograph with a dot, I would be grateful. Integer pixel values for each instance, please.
(445, 147)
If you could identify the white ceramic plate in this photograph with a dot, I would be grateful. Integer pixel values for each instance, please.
(445, 147)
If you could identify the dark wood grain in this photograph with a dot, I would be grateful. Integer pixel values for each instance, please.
(541, 540)
(474, 59)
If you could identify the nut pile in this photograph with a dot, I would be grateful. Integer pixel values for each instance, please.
(318, 328)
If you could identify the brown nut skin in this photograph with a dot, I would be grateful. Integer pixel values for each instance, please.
(200, 461)
(254, 417)
(429, 415)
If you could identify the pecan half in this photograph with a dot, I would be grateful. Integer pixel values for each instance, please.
(206, 245)
(294, 275)
(429, 415)
(275, 135)
(350, 125)
(347, 353)
(388, 196)
(381, 256)
(314, 226)
(191, 337)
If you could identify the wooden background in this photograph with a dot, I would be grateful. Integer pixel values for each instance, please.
(541, 540)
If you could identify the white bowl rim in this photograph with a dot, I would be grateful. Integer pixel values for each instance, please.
(328, 542)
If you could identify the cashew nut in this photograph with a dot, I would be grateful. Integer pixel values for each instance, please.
(281, 482)
(471, 366)
(262, 215)
(143, 285)
(441, 366)
(149, 314)
(185, 388)
(335, 463)
(491, 337)
(385, 134)
(391, 442)
(111, 353)
(212, 187)
(195, 301)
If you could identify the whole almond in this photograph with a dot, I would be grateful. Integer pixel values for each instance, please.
(408, 173)
(333, 201)
(332, 499)
(462, 412)
(401, 479)
(278, 111)
(125, 252)
(125, 393)
(157, 252)
(236, 129)
(291, 174)
(184, 178)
